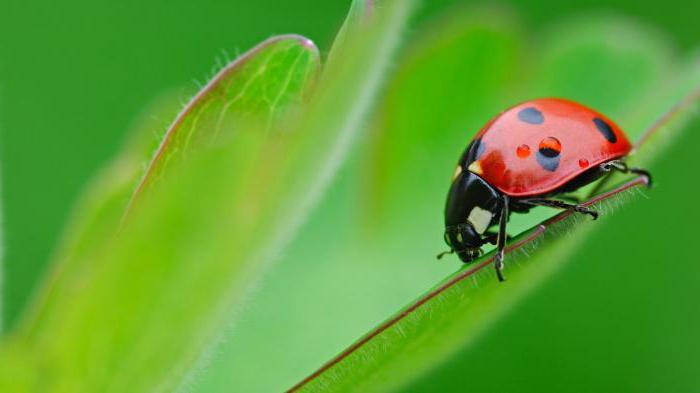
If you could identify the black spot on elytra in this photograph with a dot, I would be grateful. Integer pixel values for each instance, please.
(531, 115)
(605, 129)
(546, 160)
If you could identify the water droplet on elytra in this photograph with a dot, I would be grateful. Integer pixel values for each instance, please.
(523, 151)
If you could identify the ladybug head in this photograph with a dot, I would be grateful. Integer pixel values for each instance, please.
(463, 239)
(472, 207)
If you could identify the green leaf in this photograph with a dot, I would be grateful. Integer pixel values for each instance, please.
(446, 322)
(360, 12)
(257, 86)
(16, 372)
(272, 88)
(151, 301)
(277, 76)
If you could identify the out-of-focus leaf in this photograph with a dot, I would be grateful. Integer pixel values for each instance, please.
(154, 298)
(235, 362)
(360, 13)
(276, 76)
(434, 328)
(579, 60)
(262, 83)
(254, 88)
(257, 84)
(684, 90)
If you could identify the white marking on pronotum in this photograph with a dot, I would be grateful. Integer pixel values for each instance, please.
(475, 167)
(480, 219)
(458, 170)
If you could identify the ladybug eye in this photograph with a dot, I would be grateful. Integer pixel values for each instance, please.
(447, 240)
(550, 147)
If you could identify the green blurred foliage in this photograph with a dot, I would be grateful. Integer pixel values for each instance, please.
(75, 75)
(79, 337)
(138, 308)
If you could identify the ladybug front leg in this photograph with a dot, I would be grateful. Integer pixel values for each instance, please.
(491, 237)
(501, 241)
(560, 205)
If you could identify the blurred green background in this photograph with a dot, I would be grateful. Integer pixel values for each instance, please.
(75, 75)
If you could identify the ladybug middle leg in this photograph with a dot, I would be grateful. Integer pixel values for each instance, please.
(491, 237)
(501, 240)
(559, 205)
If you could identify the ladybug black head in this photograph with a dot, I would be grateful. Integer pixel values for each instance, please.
(472, 207)
(464, 240)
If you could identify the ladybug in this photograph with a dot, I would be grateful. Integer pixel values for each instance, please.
(529, 155)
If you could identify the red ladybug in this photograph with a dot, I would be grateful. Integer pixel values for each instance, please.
(522, 158)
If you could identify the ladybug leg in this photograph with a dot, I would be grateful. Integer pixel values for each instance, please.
(643, 172)
(621, 166)
(501, 241)
(570, 198)
(492, 237)
(560, 205)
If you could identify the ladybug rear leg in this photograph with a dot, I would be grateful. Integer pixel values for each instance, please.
(621, 166)
(560, 205)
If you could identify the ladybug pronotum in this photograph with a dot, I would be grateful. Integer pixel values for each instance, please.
(525, 157)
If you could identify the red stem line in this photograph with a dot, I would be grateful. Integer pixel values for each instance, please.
(536, 232)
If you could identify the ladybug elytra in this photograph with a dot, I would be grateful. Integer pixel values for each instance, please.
(525, 157)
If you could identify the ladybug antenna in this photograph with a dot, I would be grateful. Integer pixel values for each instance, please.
(442, 254)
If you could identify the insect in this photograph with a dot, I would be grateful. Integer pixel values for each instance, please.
(529, 155)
